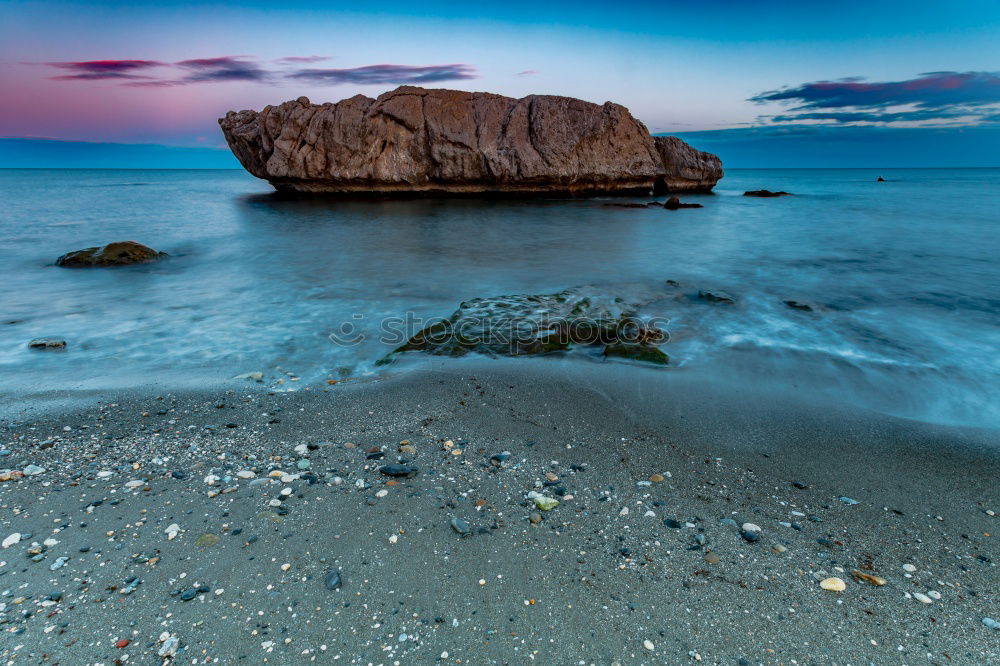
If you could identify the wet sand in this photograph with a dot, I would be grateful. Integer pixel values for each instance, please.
(633, 566)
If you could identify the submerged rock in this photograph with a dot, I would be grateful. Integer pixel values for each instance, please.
(413, 140)
(673, 203)
(644, 353)
(799, 305)
(766, 193)
(716, 296)
(523, 325)
(47, 343)
(121, 253)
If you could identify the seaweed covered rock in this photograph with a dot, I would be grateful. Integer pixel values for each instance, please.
(122, 253)
(525, 325)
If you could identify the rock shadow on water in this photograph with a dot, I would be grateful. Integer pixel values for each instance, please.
(536, 325)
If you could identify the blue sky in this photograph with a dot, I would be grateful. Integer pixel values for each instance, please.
(161, 73)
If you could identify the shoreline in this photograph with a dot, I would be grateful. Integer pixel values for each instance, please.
(591, 582)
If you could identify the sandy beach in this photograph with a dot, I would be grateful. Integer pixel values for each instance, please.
(694, 523)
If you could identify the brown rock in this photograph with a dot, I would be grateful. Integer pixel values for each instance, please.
(686, 169)
(113, 254)
(412, 140)
(673, 203)
(766, 193)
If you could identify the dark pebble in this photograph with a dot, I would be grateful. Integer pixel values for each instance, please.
(407, 471)
(333, 580)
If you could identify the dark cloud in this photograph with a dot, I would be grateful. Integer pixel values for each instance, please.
(91, 70)
(244, 68)
(928, 98)
(876, 116)
(931, 90)
(388, 74)
(225, 68)
(302, 59)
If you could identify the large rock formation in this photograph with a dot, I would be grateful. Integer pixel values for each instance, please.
(412, 140)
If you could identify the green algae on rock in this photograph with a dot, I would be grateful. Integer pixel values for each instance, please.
(532, 325)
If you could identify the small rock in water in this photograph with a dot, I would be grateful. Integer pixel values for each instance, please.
(833, 584)
(47, 343)
(255, 376)
(333, 581)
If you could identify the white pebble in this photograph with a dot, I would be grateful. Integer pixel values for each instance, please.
(648, 644)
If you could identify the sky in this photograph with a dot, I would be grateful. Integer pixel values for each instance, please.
(867, 83)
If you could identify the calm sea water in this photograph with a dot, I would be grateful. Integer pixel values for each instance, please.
(904, 276)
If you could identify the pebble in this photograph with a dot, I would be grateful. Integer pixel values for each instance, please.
(909, 567)
(991, 623)
(535, 518)
(59, 563)
(648, 644)
(545, 503)
(750, 527)
(135, 483)
(333, 580)
(169, 647)
(11, 540)
(833, 584)
(303, 464)
(878, 581)
(460, 526)
(407, 471)
(498, 459)
(849, 501)
(33, 470)
(245, 474)
(712, 558)
(656, 478)
(750, 536)
(922, 598)
(934, 594)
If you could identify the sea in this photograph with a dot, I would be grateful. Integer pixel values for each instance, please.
(897, 283)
